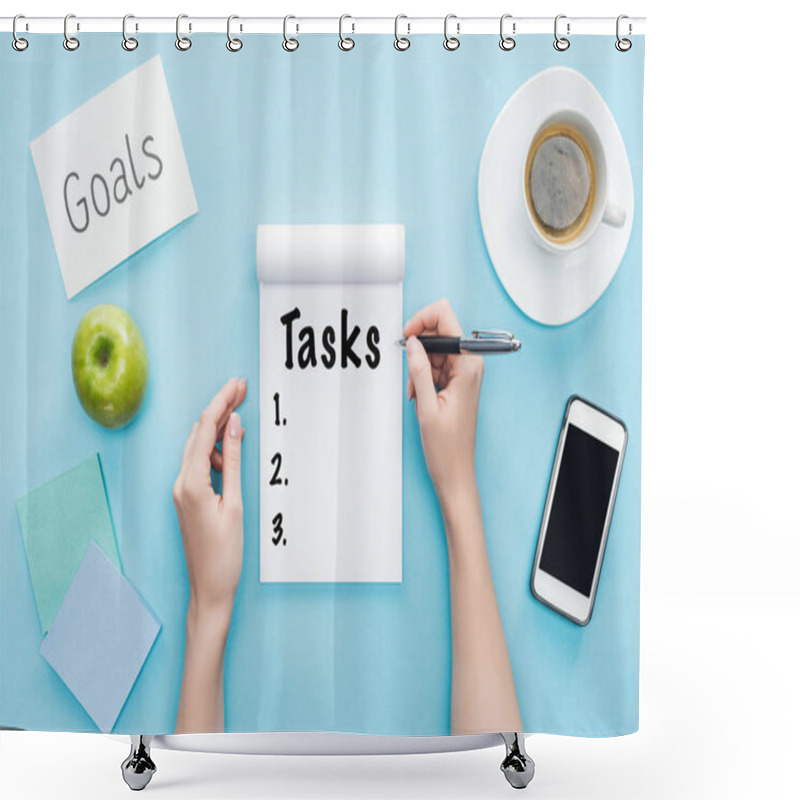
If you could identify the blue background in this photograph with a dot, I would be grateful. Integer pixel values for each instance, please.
(373, 135)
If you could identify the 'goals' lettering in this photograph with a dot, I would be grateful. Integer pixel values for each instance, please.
(96, 196)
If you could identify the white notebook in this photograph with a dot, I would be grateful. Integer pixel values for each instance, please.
(331, 393)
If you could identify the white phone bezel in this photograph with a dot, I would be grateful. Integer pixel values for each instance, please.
(610, 430)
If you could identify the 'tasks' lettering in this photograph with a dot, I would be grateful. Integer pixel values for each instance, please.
(122, 185)
(348, 341)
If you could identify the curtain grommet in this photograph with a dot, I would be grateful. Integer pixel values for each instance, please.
(401, 43)
(19, 43)
(622, 44)
(233, 44)
(561, 43)
(507, 42)
(183, 43)
(129, 43)
(346, 43)
(71, 43)
(451, 43)
(289, 44)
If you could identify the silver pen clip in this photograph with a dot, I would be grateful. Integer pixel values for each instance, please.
(493, 335)
(496, 341)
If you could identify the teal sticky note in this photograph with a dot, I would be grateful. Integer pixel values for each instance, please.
(59, 520)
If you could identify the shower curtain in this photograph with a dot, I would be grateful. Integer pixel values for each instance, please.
(257, 472)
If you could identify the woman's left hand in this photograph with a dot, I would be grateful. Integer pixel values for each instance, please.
(211, 525)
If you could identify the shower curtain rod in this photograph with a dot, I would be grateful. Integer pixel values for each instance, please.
(299, 24)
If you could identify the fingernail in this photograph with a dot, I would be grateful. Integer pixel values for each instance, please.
(412, 343)
(242, 383)
(408, 389)
(235, 426)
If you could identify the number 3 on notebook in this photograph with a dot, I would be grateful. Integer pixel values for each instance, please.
(277, 529)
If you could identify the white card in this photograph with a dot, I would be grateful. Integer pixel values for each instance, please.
(113, 175)
(331, 419)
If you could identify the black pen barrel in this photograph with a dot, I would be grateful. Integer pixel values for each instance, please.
(447, 345)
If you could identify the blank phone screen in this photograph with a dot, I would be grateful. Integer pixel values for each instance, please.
(578, 513)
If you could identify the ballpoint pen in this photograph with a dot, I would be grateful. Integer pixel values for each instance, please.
(481, 342)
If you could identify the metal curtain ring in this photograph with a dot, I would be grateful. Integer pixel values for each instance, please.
(401, 42)
(345, 42)
(70, 42)
(623, 45)
(128, 42)
(289, 44)
(233, 44)
(182, 42)
(451, 42)
(561, 43)
(507, 42)
(18, 43)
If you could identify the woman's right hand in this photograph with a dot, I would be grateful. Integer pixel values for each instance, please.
(448, 418)
(483, 694)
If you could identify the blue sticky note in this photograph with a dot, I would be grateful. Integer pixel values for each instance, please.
(100, 637)
(58, 521)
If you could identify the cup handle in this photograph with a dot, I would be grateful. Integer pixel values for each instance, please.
(614, 215)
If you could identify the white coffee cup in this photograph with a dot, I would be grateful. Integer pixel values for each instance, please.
(599, 208)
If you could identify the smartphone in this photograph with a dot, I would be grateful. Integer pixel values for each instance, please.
(578, 509)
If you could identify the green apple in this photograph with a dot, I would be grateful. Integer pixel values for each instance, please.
(109, 365)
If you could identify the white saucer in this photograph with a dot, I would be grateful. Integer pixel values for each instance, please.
(550, 288)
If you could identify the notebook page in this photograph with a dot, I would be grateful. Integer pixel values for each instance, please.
(331, 394)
